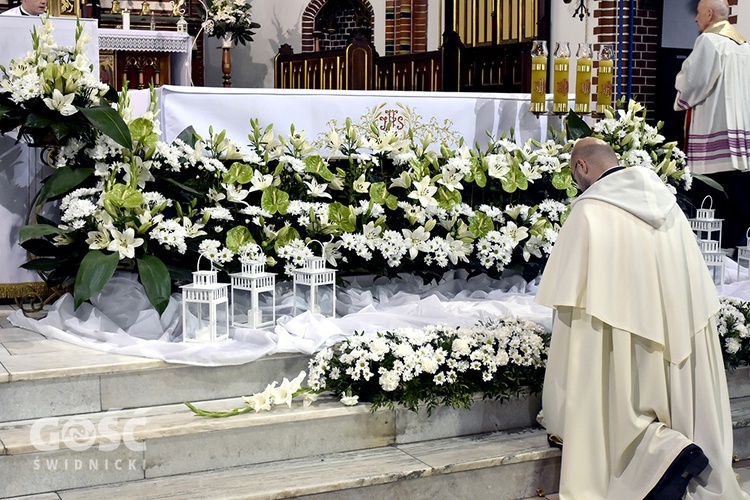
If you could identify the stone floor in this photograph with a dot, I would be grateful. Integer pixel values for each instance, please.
(29, 356)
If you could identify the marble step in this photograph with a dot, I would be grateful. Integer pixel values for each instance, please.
(57, 453)
(500, 465)
(42, 377)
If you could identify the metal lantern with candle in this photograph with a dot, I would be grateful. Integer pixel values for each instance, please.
(604, 85)
(205, 308)
(320, 284)
(583, 78)
(561, 78)
(539, 56)
(251, 289)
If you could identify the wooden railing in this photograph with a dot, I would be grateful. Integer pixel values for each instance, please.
(453, 68)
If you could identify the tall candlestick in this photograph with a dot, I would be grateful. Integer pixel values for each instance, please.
(604, 87)
(561, 78)
(583, 78)
(126, 19)
(539, 76)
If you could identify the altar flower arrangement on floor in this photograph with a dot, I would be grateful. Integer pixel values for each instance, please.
(733, 322)
(434, 366)
(52, 94)
(230, 19)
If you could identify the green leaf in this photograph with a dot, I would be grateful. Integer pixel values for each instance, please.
(480, 224)
(62, 181)
(156, 281)
(123, 196)
(342, 216)
(237, 237)
(273, 200)
(710, 182)
(110, 123)
(378, 192)
(577, 128)
(315, 165)
(285, 235)
(95, 271)
(35, 231)
(189, 136)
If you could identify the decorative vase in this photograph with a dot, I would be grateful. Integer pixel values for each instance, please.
(227, 42)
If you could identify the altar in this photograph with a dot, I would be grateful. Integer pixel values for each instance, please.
(143, 56)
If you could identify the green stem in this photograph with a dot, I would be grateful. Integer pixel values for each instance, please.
(219, 414)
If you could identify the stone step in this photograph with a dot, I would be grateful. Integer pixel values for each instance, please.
(500, 465)
(42, 377)
(58, 453)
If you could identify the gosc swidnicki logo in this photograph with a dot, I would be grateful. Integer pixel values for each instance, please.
(81, 433)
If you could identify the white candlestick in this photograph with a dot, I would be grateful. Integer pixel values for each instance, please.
(125, 20)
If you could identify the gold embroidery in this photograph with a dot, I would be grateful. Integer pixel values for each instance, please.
(723, 28)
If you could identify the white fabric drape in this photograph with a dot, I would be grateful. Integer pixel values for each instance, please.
(120, 320)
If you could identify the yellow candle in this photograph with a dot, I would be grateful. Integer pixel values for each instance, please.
(583, 84)
(538, 84)
(562, 68)
(604, 85)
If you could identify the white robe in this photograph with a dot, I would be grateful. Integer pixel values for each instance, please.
(714, 85)
(635, 370)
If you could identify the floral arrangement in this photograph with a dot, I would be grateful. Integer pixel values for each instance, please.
(435, 365)
(382, 202)
(230, 18)
(52, 94)
(733, 322)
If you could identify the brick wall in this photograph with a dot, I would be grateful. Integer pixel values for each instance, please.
(645, 44)
(345, 22)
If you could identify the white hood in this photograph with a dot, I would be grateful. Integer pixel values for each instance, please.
(636, 190)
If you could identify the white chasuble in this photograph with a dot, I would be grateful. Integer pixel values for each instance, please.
(635, 371)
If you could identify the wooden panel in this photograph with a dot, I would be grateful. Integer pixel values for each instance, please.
(142, 68)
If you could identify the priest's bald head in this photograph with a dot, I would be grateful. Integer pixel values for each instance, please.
(711, 12)
(591, 157)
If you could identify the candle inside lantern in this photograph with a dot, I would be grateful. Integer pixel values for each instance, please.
(539, 76)
(604, 86)
(583, 78)
(561, 75)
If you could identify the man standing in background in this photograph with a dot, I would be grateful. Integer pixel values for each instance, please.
(27, 8)
(714, 87)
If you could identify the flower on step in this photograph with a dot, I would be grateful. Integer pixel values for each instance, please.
(732, 321)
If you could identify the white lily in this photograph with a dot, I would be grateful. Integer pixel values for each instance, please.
(61, 103)
(260, 182)
(124, 243)
(317, 190)
(423, 192)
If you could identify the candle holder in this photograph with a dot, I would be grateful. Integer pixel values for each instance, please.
(604, 86)
(539, 56)
(561, 78)
(321, 282)
(182, 25)
(116, 8)
(205, 308)
(250, 288)
(583, 78)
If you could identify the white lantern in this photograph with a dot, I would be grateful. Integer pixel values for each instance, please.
(251, 288)
(205, 309)
(743, 254)
(182, 24)
(714, 258)
(316, 286)
(705, 225)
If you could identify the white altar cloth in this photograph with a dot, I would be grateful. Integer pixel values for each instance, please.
(470, 115)
(179, 44)
(15, 36)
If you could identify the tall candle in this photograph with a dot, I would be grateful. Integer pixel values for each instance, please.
(538, 84)
(583, 84)
(125, 20)
(562, 85)
(604, 85)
